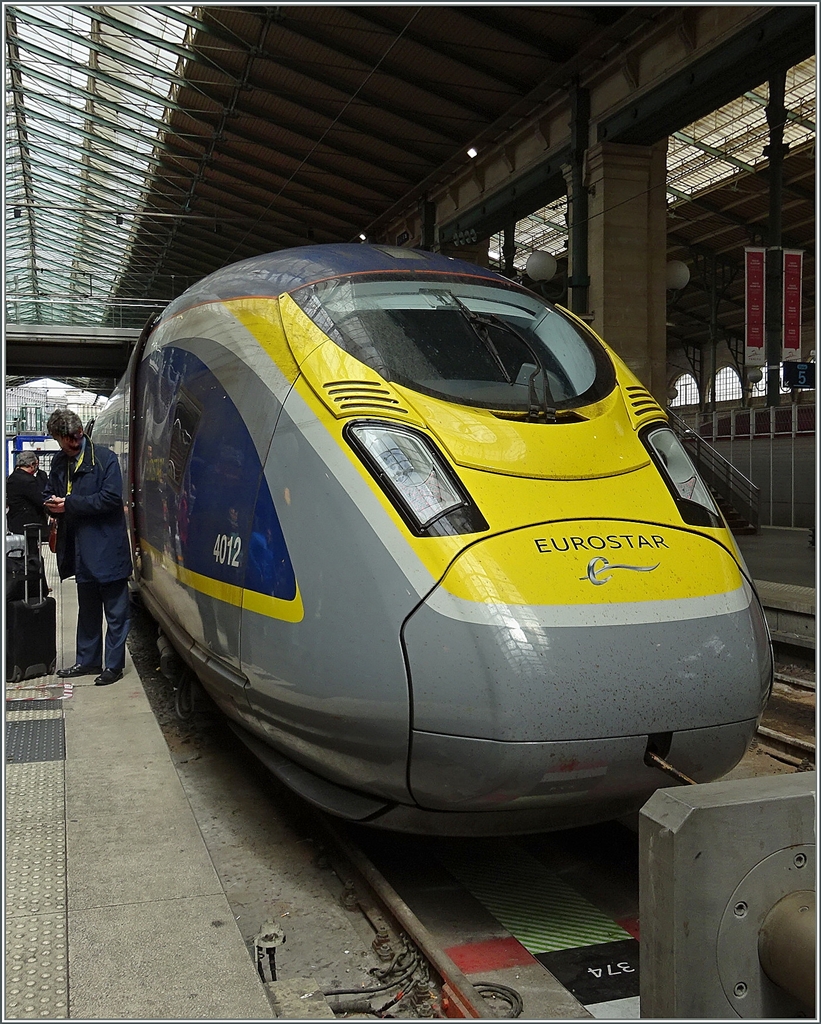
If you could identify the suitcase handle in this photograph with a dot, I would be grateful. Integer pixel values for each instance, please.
(32, 534)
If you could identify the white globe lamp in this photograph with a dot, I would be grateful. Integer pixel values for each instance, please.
(541, 266)
(678, 274)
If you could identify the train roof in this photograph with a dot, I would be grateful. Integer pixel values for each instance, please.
(278, 272)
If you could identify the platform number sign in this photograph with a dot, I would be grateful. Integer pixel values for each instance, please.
(799, 375)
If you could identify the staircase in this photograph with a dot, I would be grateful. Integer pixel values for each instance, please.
(738, 523)
(736, 496)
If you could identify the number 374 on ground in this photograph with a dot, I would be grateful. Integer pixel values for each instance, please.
(611, 969)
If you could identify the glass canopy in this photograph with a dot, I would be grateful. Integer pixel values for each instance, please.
(87, 90)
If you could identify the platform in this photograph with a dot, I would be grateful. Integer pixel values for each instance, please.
(113, 907)
(780, 554)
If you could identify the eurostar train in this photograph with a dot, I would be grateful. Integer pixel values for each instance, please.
(431, 546)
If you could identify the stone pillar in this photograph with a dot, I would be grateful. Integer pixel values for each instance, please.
(627, 256)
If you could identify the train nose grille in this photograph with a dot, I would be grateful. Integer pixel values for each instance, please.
(642, 403)
(362, 396)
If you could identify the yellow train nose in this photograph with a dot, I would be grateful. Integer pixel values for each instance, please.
(588, 628)
(597, 562)
(581, 640)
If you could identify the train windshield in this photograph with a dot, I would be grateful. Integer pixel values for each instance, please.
(462, 339)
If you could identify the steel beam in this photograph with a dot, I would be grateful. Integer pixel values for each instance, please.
(780, 39)
(32, 349)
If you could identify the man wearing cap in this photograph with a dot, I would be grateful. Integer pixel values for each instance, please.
(24, 496)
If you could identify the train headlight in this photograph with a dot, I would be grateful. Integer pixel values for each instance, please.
(413, 474)
(692, 497)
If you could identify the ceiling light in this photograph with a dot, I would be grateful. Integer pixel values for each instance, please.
(472, 152)
(363, 238)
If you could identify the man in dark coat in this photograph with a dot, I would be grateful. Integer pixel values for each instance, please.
(24, 496)
(86, 495)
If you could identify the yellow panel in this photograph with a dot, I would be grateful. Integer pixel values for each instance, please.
(592, 561)
(508, 502)
(603, 445)
(260, 316)
(273, 607)
(521, 474)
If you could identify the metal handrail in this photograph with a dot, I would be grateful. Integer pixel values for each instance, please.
(719, 474)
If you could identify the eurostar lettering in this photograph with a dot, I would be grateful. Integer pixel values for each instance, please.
(612, 542)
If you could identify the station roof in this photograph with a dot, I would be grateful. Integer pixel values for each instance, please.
(147, 145)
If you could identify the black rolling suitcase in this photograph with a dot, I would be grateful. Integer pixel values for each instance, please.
(31, 620)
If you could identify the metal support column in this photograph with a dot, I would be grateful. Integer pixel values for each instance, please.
(509, 249)
(427, 214)
(579, 280)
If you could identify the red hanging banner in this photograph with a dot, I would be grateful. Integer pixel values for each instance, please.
(755, 265)
(791, 315)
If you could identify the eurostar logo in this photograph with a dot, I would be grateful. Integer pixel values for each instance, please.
(596, 567)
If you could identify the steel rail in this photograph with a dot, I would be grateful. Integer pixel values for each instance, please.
(791, 749)
(463, 999)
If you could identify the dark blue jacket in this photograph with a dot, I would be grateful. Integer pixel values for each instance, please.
(92, 538)
(24, 501)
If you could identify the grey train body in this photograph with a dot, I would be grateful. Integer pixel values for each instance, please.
(385, 699)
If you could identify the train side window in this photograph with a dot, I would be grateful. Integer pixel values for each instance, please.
(183, 430)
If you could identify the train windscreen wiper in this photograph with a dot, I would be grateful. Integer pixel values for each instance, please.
(479, 326)
(480, 323)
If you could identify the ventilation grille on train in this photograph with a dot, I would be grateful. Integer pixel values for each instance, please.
(363, 396)
(642, 403)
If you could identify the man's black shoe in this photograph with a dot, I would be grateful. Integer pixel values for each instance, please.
(77, 670)
(107, 677)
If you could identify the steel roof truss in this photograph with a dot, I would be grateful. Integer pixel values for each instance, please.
(452, 53)
(396, 74)
(99, 158)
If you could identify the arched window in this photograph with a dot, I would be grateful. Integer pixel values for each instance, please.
(687, 390)
(727, 385)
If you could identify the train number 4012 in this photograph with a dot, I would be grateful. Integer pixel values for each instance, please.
(227, 549)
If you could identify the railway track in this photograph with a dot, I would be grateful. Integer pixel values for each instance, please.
(460, 927)
(787, 728)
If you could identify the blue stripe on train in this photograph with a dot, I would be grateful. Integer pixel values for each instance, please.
(205, 501)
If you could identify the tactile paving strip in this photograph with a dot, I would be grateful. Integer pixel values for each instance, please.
(33, 690)
(36, 968)
(41, 739)
(35, 792)
(35, 868)
(44, 704)
(31, 716)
